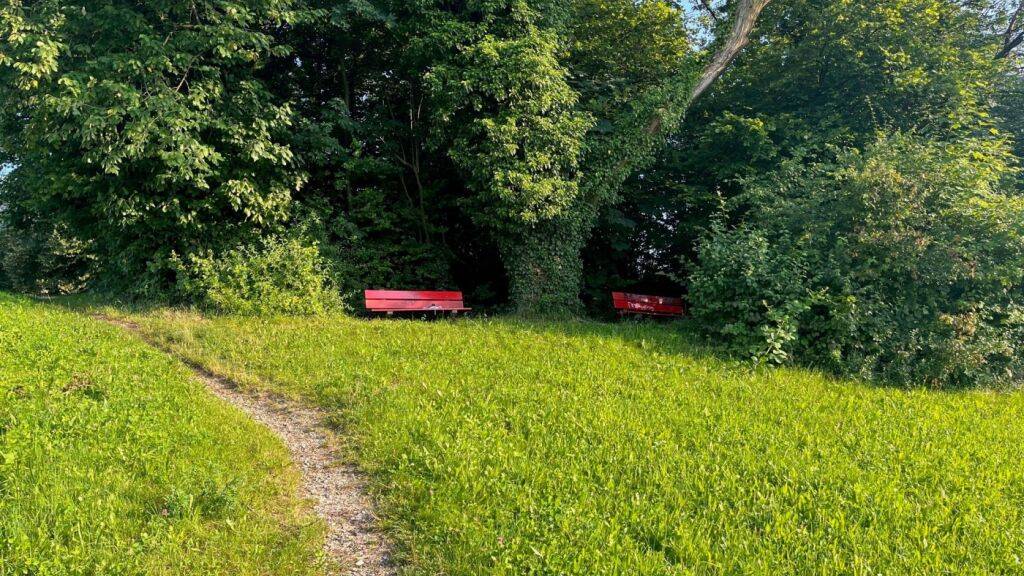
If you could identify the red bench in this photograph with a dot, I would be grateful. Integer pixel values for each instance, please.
(648, 305)
(411, 302)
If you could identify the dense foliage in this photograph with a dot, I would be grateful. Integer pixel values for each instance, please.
(827, 75)
(906, 262)
(534, 153)
(490, 131)
(277, 276)
(191, 128)
(790, 201)
(143, 129)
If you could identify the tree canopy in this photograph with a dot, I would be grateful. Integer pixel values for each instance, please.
(534, 153)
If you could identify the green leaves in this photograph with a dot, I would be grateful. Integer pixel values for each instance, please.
(279, 276)
(30, 40)
(547, 111)
(153, 119)
(903, 264)
(516, 134)
(162, 127)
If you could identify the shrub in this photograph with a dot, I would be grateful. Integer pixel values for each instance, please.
(905, 263)
(44, 259)
(748, 294)
(370, 246)
(275, 276)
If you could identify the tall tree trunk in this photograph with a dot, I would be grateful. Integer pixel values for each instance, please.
(544, 262)
(545, 267)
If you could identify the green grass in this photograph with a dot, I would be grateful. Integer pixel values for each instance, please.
(504, 447)
(114, 461)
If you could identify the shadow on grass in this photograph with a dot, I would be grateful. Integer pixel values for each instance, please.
(651, 335)
(667, 337)
(89, 303)
(682, 337)
(677, 337)
(670, 337)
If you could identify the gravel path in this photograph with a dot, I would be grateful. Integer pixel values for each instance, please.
(336, 487)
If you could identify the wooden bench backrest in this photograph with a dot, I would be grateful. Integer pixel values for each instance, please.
(413, 301)
(643, 304)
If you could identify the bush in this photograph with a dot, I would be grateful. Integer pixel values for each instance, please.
(277, 276)
(749, 295)
(43, 259)
(905, 263)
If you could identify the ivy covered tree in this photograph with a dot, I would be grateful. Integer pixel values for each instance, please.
(546, 112)
(544, 109)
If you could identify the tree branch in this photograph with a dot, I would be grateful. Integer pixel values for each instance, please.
(747, 14)
(1014, 35)
(706, 4)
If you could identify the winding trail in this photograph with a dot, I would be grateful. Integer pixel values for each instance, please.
(338, 489)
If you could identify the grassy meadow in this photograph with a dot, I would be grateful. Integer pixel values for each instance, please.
(507, 447)
(114, 461)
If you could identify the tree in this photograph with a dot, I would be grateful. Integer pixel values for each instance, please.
(503, 125)
(903, 261)
(144, 128)
(1013, 37)
(823, 75)
(509, 123)
(747, 13)
(550, 159)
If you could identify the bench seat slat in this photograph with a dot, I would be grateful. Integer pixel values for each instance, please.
(648, 305)
(651, 308)
(413, 301)
(665, 300)
(412, 295)
(624, 303)
(415, 305)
